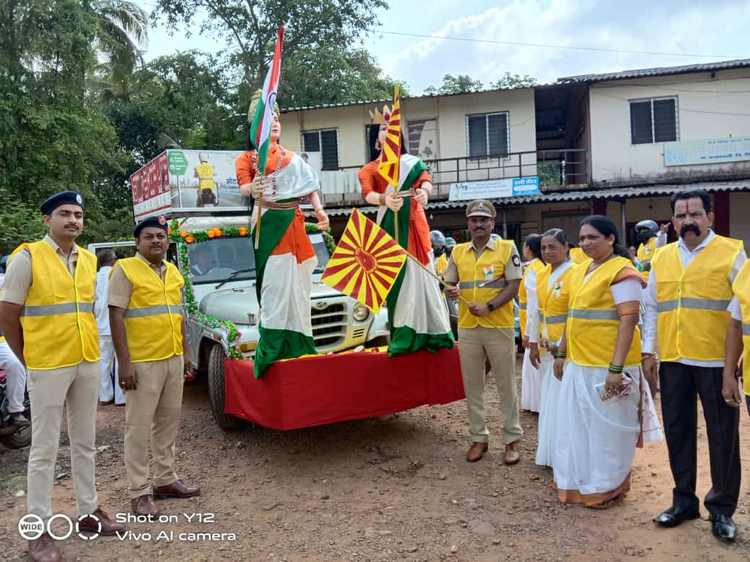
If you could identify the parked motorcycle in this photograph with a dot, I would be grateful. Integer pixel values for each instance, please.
(12, 436)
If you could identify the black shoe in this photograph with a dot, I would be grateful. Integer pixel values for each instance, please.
(674, 516)
(18, 420)
(723, 527)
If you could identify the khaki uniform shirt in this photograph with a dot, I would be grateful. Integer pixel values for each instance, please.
(18, 276)
(120, 287)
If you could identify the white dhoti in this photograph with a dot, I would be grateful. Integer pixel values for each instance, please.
(595, 440)
(548, 411)
(531, 385)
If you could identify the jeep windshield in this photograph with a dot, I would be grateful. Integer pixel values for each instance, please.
(232, 259)
(216, 259)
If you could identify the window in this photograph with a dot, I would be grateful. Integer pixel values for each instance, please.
(326, 142)
(488, 134)
(653, 120)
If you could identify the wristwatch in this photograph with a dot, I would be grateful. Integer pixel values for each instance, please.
(490, 306)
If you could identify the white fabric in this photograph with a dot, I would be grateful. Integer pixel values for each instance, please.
(421, 305)
(532, 304)
(294, 180)
(531, 385)
(734, 309)
(15, 378)
(661, 239)
(109, 373)
(649, 320)
(101, 310)
(595, 440)
(548, 411)
(627, 290)
(285, 303)
(532, 312)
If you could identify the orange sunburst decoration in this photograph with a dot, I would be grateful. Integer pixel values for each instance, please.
(390, 159)
(365, 263)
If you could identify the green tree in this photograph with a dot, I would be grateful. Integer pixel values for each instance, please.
(314, 30)
(509, 81)
(459, 84)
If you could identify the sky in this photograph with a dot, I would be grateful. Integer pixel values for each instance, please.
(546, 39)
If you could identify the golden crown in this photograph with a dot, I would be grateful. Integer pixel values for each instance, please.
(380, 117)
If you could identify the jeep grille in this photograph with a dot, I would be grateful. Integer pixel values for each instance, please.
(329, 325)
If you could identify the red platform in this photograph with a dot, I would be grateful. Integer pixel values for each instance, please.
(332, 388)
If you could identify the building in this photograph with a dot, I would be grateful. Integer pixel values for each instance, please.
(619, 143)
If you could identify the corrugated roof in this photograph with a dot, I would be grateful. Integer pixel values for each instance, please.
(388, 100)
(660, 71)
(579, 195)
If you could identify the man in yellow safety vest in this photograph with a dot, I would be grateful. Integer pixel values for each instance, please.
(47, 315)
(685, 323)
(147, 323)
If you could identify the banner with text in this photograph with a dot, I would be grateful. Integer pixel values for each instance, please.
(494, 189)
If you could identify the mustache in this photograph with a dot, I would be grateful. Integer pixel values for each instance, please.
(690, 228)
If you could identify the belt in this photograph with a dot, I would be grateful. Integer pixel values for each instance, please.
(285, 205)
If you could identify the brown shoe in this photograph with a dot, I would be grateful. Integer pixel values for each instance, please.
(176, 489)
(100, 522)
(476, 451)
(512, 456)
(44, 549)
(144, 505)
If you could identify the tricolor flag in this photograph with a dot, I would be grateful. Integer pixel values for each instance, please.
(391, 155)
(366, 262)
(260, 130)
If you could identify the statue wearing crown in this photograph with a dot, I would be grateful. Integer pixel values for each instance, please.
(417, 312)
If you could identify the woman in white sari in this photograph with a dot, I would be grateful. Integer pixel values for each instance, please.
(602, 395)
(531, 378)
(548, 313)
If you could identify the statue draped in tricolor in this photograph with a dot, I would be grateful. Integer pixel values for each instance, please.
(400, 185)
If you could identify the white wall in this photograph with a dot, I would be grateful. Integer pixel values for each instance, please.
(450, 111)
(699, 98)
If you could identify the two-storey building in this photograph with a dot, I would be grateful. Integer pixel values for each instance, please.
(618, 143)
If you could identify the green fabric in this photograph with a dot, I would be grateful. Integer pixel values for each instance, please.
(406, 340)
(273, 226)
(275, 344)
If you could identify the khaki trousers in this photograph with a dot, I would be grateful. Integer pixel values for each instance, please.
(76, 388)
(498, 346)
(152, 414)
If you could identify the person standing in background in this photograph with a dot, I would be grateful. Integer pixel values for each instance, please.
(531, 379)
(109, 381)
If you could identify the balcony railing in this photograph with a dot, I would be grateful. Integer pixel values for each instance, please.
(556, 169)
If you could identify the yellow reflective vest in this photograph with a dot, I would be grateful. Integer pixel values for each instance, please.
(481, 280)
(593, 321)
(205, 173)
(645, 254)
(153, 319)
(577, 255)
(441, 263)
(692, 316)
(536, 265)
(57, 319)
(741, 288)
(553, 303)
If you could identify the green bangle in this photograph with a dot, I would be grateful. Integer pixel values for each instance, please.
(560, 355)
(616, 368)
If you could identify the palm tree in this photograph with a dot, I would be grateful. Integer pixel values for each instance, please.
(122, 36)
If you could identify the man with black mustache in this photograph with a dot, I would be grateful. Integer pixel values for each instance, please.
(685, 322)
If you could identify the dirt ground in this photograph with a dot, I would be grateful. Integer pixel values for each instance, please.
(392, 488)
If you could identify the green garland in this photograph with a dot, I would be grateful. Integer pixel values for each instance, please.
(183, 239)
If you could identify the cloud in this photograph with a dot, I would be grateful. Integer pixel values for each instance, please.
(673, 26)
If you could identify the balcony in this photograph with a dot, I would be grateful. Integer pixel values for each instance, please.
(557, 169)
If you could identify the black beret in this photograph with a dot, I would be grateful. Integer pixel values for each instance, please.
(62, 198)
(154, 222)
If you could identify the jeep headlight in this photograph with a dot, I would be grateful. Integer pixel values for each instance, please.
(360, 312)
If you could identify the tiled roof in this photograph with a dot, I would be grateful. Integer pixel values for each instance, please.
(661, 71)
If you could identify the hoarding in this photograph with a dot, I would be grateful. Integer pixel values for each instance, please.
(170, 182)
(706, 151)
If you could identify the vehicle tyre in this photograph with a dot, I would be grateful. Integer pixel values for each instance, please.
(216, 389)
(17, 440)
